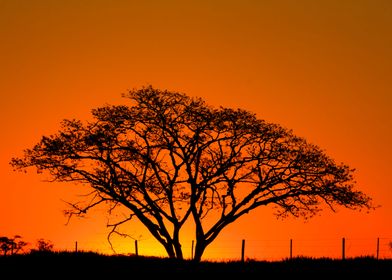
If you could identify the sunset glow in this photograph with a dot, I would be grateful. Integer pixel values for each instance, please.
(320, 68)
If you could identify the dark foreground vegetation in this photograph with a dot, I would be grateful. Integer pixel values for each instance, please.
(89, 265)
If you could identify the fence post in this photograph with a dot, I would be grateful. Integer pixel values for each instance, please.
(76, 246)
(243, 251)
(378, 247)
(136, 249)
(291, 248)
(343, 248)
(192, 250)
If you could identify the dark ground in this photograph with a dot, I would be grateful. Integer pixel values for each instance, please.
(87, 265)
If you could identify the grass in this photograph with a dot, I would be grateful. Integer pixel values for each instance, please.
(81, 265)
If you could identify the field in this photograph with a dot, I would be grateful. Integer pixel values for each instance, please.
(81, 265)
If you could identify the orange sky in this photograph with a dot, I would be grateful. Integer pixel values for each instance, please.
(321, 68)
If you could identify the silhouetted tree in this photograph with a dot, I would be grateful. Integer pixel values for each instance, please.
(11, 246)
(169, 158)
(44, 245)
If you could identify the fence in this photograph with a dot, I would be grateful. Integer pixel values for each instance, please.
(259, 249)
(335, 248)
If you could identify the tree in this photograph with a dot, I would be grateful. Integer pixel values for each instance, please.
(169, 158)
(11, 246)
(44, 245)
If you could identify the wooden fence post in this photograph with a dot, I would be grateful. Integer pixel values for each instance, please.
(343, 248)
(192, 250)
(136, 249)
(378, 248)
(243, 251)
(76, 246)
(291, 249)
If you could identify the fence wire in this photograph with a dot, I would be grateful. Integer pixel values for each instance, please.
(255, 249)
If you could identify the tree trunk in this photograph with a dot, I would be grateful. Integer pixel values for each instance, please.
(178, 251)
(169, 250)
(174, 250)
(199, 250)
(177, 244)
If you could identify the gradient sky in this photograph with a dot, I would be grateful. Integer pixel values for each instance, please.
(321, 68)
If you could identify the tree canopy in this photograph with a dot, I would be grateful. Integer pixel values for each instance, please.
(169, 158)
(11, 246)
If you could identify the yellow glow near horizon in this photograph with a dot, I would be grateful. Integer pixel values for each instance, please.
(322, 68)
